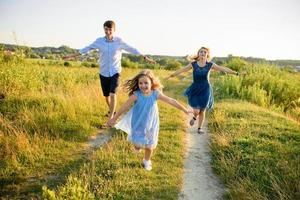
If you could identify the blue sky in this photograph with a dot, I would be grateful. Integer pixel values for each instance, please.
(258, 28)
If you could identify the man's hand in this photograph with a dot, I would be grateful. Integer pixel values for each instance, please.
(149, 60)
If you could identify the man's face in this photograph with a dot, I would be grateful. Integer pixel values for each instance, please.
(109, 31)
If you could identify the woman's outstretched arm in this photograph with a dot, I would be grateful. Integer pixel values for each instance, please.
(225, 69)
(184, 69)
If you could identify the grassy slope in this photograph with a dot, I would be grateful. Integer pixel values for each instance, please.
(48, 113)
(255, 151)
(115, 172)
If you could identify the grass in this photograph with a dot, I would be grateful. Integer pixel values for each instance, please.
(47, 115)
(255, 151)
(115, 172)
(48, 111)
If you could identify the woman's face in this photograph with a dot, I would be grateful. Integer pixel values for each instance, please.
(203, 53)
(145, 84)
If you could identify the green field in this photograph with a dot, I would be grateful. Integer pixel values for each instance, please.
(49, 110)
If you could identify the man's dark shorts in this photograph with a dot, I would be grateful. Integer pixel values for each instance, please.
(109, 84)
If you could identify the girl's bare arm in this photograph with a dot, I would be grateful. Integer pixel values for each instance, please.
(123, 109)
(173, 102)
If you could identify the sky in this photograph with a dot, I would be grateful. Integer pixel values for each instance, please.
(251, 28)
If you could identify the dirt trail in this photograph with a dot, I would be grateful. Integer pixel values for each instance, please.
(199, 181)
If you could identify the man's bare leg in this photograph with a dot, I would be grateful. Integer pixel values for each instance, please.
(112, 105)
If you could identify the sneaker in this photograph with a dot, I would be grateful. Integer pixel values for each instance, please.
(200, 131)
(147, 165)
(192, 121)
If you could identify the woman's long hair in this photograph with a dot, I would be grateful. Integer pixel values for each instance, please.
(196, 57)
(132, 85)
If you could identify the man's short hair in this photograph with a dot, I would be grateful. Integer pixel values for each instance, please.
(109, 24)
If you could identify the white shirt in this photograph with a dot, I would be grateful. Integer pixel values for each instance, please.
(110, 54)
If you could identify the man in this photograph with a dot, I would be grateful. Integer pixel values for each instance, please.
(110, 54)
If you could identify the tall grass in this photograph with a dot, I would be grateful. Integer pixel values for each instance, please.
(46, 112)
(264, 85)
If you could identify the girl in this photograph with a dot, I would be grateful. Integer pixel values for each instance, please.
(199, 94)
(142, 121)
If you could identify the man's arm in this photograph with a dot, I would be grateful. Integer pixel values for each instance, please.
(134, 51)
(84, 50)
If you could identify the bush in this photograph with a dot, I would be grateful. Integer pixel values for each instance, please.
(127, 63)
(264, 85)
(236, 64)
(67, 64)
(93, 65)
(173, 65)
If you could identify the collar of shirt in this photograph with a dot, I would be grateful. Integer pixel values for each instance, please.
(107, 40)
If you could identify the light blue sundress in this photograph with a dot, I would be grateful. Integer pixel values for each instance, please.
(141, 122)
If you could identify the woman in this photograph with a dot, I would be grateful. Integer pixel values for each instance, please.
(199, 94)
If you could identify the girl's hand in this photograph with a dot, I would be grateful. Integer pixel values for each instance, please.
(111, 122)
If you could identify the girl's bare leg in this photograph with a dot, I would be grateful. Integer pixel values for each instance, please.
(148, 153)
(201, 118)
(196, 113)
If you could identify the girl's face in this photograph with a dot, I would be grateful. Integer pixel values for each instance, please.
(203, 53)
(145, 84)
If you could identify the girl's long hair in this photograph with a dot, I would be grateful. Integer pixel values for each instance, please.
(132, 85)
(196, 57)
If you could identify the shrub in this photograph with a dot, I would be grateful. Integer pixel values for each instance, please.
(67, 64)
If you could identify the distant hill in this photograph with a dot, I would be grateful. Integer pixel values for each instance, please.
(59, 52)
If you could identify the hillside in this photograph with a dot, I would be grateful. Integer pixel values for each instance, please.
(49, 110)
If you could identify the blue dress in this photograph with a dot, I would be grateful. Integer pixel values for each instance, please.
(141, 122)
(200, 94)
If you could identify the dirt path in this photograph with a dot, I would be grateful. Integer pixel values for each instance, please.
(102, 137)
(199, 181)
